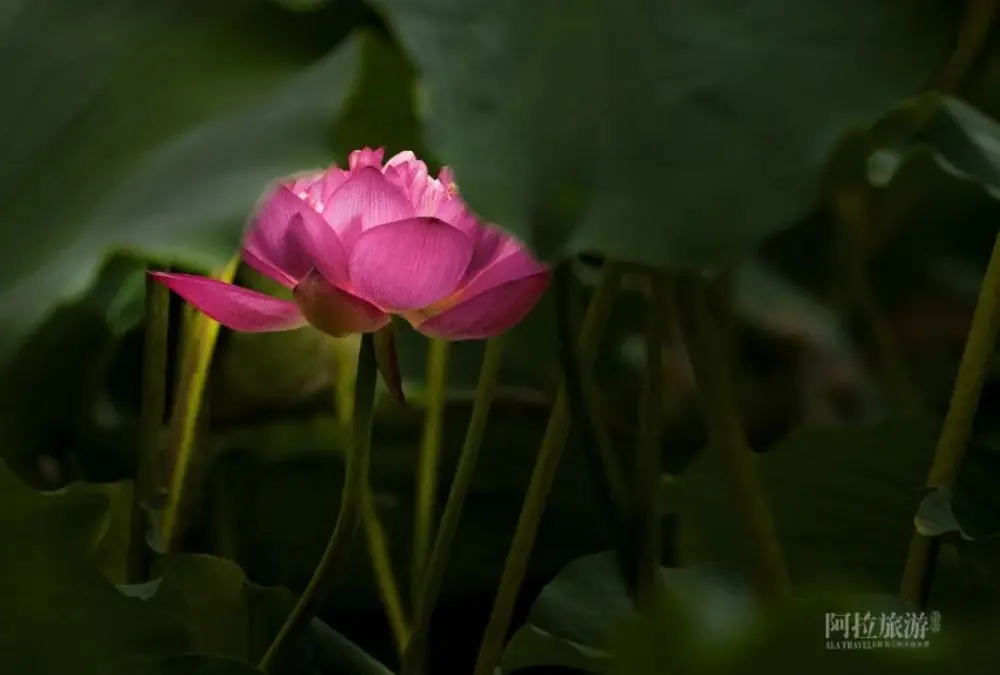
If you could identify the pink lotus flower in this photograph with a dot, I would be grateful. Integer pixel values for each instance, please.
(358, 245)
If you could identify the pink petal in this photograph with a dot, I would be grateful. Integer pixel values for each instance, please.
(267, 269)
(366, 157)
(239, 309)
(487, 314)
(404, 157)
(446, 176)
(320, 244)
(411, 174)
(409, 264)
(330, 183)
(335, 311)
(305, 183)
(454, 211)
(268, 246)
(489, 243)
(364, 201)
(511, 262)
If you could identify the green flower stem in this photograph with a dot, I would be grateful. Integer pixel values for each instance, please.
(430, 460)
(154, 400)
(611, 470)
(346, 352)
(413, 658)
(385, 577)
(549, 454)
(604, 467)
(649, 453)
(351, 505)
(199, 335)
(973, 34)
(958, 422)
(709, 361)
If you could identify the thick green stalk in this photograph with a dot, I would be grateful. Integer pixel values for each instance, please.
(351, 505)
(429, 463)
(154, 399)
(649, 453)
(198, 344)
(585, 394)
(346, 352)
(958, 422)
(413, 658)
(542, 477)
(709, 360)
(604, 467)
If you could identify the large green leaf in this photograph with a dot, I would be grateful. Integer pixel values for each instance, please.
(962, 139)
(151, 124)
(60, 615)
(670, 133)
(796, 639)
(843, 501)
(576, 614)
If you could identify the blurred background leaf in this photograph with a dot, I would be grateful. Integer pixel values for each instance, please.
(142, 133)
(178, 99)
(680, 179)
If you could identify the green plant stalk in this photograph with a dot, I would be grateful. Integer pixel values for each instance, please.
(542, 476)
(378, 548)
(385, 577)
(347, 372)
(594, 439)
(649, 453)
(972, 36)
(709, 360)
(615, 484)
(429, 463)
(958, 422)
(351, 506)
(198, 345)
(154, 399)
(437, 565)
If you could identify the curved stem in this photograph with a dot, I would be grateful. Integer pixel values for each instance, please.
(972, 36)
(604, 468)
(709, 360)
(198, 344)
(413, 658)
(430, 460)
(649, 454)
(959, 420)
(351, 505)
(378, 549)
(154, 397)
(542, 477)
(385, 577)
(582, 394)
